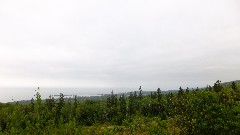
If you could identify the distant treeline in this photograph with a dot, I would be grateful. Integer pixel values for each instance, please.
(94, 97)
(211, 110)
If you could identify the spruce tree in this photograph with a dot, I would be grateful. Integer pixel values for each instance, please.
(187, 90)
(217, 86)
(180, 92)
(140, 93)
(234, 87)
(131, 104)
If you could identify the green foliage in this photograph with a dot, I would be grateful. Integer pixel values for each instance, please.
(204, 111)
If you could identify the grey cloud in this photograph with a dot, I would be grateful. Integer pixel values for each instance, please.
(118, 43)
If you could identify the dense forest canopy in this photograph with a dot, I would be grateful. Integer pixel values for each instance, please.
(211, 110)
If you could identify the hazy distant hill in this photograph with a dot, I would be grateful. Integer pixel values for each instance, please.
(229, 83)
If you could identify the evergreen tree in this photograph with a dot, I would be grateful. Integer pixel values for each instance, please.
(170, 104)
(234, 87)
(159, 95)
(60, 105)
(75, 105)
(32, 104)
(187, 90)
(38, 100)
(50, 103)
(112, 107)
(209, 88)
(160, 104)
(122, 109)
(131, 104)
(123, 105)
(180, 92)
(217, 86)
(140, 93)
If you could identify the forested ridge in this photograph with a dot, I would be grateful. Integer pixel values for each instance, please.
(211, 110)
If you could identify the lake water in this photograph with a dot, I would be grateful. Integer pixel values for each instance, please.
(16, 94)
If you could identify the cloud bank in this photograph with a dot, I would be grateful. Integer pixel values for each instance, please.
(118, 44)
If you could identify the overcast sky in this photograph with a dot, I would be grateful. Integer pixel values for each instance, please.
(118, 44)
